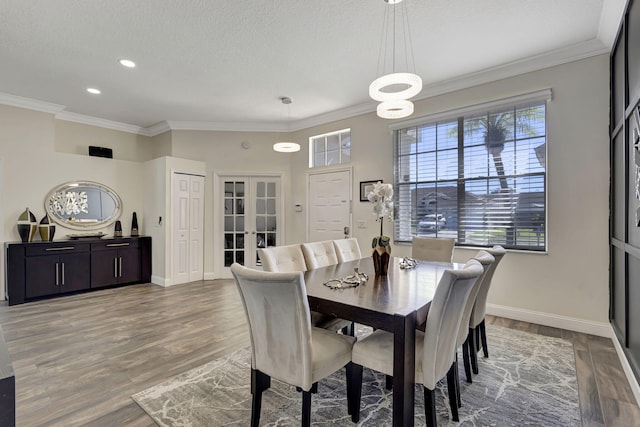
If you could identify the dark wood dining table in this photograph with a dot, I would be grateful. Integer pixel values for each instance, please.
(396, 303)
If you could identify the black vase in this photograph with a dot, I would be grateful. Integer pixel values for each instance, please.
(27, 226)
(117, 231)
(46, 229)
(134, 225)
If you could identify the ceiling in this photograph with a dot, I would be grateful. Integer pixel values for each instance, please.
(209, 64)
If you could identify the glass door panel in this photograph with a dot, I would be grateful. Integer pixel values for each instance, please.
(234, 222)
(251, 218)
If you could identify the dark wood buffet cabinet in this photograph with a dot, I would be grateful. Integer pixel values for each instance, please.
(44, 269)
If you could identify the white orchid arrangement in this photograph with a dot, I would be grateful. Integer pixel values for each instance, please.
(382, 198)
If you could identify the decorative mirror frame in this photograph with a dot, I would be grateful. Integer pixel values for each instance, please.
(79, 203)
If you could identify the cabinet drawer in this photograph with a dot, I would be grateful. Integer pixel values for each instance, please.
(115, 244)
(56, 248)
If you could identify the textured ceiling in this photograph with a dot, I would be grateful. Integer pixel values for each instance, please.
(230, 61)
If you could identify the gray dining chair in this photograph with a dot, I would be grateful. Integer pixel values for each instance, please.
(284, 258)
(435, 348)
(322, 254)
(290, 258)
(347, 249)
(485, 259)
(477, 328)
(284, 345)
(319, 254)
(432, 249)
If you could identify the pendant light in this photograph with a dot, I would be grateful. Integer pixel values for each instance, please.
(286, 147)
(394, 89)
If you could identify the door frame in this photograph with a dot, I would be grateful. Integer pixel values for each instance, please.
(219, 270)
(323, 170)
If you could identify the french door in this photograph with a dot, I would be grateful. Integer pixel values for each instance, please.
(251, 218)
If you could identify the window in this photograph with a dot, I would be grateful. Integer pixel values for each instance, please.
(479, 178)
(330, 149)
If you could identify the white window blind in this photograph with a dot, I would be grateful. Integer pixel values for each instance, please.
(479, 177)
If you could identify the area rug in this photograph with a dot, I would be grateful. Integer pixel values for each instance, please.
(528, 380)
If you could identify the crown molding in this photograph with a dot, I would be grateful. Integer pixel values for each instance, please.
(103, 123)
(157, 129)
(30, 104)
(229, 126)
(561, 56)
(554, 58)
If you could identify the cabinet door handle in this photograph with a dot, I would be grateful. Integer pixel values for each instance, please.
(115, 267)
(57, 275)
(62, 248)
(111, 245)
(120, 267)
(62, 274)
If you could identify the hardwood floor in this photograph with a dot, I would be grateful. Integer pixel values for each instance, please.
(78, 359)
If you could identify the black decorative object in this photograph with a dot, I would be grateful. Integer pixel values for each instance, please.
(27, 226)
(118, 229)
(46, 229)
(134, 225)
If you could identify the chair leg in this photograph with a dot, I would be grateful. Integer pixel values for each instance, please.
(483, 336)
(388, 382)
(452, 390)
(473, 349)
(457, 379)
(306, 408)
(259, 383)
(354, 392)
(430, 407)
(466, 358)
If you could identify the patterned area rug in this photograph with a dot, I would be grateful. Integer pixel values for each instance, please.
(529, 380)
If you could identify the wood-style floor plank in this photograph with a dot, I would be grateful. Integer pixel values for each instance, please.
(78, 359)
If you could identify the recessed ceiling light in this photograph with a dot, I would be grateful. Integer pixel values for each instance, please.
(93, 90)
(127, 63)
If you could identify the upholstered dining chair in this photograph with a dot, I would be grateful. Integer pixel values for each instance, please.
(432, 249)
(485, 259)
(347, 249)
(435, 348)
(282, 259)
(477, 329)
(284, 345)
(322, 254)
(319, 254)
(290, 258)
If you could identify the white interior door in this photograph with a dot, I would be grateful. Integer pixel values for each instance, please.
(187, 195)
(329, 205)
(251, 218)
(196, 228)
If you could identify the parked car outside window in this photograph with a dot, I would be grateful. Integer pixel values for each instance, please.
(432, 222)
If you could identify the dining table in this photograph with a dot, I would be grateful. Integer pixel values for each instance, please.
(397, 303)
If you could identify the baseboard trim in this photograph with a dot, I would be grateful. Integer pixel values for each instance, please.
(157, 280)
(571, 324)
(633, 382)
(553, 320)
(209, 276)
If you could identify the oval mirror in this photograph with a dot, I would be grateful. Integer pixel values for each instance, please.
(83, 205)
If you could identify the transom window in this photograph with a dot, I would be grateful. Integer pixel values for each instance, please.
(330, 149)
(479, 178)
